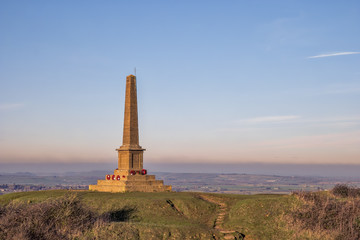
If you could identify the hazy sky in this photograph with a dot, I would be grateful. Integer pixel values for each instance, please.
(218, 81)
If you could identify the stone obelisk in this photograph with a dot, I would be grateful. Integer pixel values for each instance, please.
(130, 153)
(130, 175)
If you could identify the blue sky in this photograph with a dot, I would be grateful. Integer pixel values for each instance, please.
(218, 81)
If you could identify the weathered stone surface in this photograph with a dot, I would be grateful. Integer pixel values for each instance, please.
(130, 154)
(131, 183)
(131, 129)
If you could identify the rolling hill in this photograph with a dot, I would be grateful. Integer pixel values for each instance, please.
(172, 215)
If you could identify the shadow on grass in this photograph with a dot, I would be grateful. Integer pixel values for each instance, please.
(122, 215)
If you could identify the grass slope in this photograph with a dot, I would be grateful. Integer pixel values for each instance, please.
(175, 215)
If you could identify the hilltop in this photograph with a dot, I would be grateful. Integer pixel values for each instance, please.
(170, 215)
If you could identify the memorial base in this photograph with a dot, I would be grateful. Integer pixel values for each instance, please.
(130, 183)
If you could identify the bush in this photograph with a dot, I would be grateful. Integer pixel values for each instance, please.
(343, 190)
(328, 213)
(62, 218)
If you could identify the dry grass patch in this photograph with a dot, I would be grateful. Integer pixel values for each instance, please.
(335, 214)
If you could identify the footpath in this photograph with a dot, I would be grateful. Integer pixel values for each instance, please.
(219, 221)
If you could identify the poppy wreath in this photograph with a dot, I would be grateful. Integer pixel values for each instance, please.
(143, 172)
(132, 172)
(118, 177)
(108, 177)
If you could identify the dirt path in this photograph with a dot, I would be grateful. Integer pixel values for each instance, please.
(219, 221)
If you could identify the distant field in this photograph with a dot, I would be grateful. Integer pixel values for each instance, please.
(47, 180)
(184, 182)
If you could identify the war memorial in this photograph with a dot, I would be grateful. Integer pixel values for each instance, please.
(130, 176)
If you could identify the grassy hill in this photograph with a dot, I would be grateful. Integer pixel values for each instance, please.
(169, 215)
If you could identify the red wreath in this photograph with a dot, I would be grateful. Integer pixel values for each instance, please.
(132, 172)
(143, 172)
(113, 177)
(108, 177)
(118, 177)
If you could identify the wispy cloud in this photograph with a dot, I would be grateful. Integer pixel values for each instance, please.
(343, 90)
(333, 54)
(327, 121)
(7, 106)
(271, 119)
(344, 139)
(291, 121)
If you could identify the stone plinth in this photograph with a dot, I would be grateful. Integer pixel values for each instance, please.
(119, 182)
